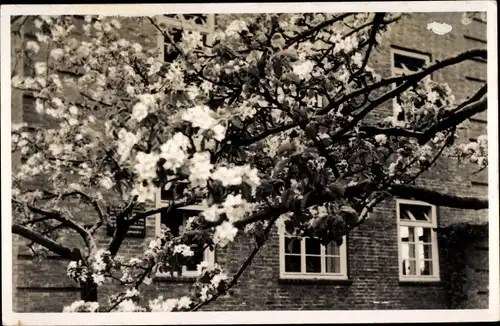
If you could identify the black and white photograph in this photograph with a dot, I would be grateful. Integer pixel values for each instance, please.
(330, 159)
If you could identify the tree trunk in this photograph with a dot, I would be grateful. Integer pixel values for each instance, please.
(88, 291)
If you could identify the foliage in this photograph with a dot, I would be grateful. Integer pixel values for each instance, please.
(454, 239)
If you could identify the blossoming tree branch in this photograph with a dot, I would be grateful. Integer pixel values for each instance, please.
(270, 123)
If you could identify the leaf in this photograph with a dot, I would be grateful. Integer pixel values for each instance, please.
(337, 189)
(349, 215)
(303, 203)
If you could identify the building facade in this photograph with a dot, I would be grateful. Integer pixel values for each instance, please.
(406, 256)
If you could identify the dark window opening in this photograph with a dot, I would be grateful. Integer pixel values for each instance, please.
(408, 63)
(170, 52)
(175, 220)
(198, 19)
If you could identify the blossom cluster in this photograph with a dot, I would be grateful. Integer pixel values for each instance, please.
(82, 306)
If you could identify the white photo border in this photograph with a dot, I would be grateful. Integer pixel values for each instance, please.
(267, 317)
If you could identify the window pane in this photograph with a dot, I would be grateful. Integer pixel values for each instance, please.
(195, 260)
(292, 263)
(170, 53)
(407, 250)
(424, 234)
(292, 245)
(313, 246)
(408, 62)
(173, 220)
(425, 251)
(332, 264)
(415, 212)
(332, 249)
(409, 267)
(426, 267)
(313, 264)
(407, 234)
(199, 19)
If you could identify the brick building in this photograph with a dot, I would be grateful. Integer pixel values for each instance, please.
(395, 260)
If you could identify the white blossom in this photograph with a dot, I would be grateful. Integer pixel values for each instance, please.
(32, 46)
(174, 151)
(224, 233)
(146, 165)
(57, 54)
(215, 281)
(303, 69)
(126, 140)
(139, 111)
(200, 169)
(228, 176)
(82, 306)
(219, 132)
(200, 116)
(98, 278)
(235, 27)
(201, 267)
(40, 68)
(184, 303)
(106, 182)
(128, 305)
(183, 250)
(212, 213)
(381, 139)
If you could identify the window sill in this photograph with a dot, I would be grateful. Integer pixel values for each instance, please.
(299, 281)
(422, 282)
(174, 279)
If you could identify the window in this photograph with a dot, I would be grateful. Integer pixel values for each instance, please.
(175, 221)
(175, 24)
(405, 62)
(418, 251)
(307, 258)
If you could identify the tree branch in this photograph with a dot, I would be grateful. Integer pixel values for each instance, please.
(462, 112)
(269, 132)
(243, 267)
(55, 247)
(409, 80)
(377, 21)
(85, 234)
(315, 29)
(458, 117)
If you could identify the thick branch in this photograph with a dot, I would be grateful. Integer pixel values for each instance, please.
(88, 198)
(463, 111)
(410, 80)
(85, 234)
(377, 21)
(269, 132)
(458, 117)
(55, 247)
(121, 228)
(315, 29)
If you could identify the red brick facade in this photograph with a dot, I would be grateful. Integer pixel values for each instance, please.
(373, 267)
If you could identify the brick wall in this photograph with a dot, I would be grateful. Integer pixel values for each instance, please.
(372, 248)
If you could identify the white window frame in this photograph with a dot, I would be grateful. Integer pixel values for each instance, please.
(432, 225)
(312, 276)
(395, 72)
(209, 255)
